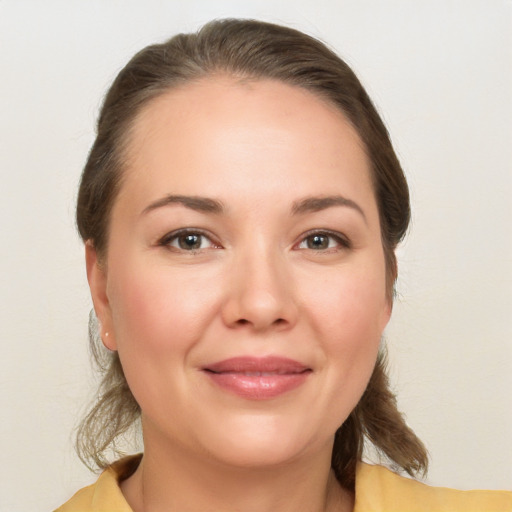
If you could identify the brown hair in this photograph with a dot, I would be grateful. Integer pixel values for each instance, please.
(246, 49)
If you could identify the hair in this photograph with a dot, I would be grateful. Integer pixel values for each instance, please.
(245, 49)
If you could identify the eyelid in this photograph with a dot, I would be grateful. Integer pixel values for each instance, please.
(341, 239)
(166, 240)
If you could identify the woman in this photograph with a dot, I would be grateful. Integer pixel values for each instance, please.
(240, 209)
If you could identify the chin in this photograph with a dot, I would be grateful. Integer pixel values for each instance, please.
(251, 455)
(256, 442)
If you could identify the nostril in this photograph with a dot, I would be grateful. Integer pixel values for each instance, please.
(278, 321)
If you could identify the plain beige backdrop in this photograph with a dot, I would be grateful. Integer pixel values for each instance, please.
(440, 72)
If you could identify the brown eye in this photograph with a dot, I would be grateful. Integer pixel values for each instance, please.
(317, 242)
(323, 241)
(187, 240)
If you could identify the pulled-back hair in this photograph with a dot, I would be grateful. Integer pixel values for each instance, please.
(245, 49)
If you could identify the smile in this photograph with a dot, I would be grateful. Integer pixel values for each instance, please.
(255, 378)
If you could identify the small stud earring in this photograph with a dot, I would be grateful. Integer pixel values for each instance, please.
(106, 334)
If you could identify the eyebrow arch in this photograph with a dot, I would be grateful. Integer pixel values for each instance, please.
(315, 204)
(200, 204)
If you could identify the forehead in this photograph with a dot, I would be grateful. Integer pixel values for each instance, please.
(230, 134)
(244, 102)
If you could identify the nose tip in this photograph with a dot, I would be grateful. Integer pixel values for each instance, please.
(260, 298)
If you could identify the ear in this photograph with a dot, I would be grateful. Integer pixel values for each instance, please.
(386, 313)
(391, 276)
(97, 277)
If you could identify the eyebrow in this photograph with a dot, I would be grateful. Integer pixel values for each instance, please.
(208, 205)
(200, 204)
(316, 204)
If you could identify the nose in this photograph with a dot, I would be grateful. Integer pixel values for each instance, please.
(260, 294)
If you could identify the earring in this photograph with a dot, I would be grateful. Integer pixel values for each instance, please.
(105, 339)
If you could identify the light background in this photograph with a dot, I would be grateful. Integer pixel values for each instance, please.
(441, 74)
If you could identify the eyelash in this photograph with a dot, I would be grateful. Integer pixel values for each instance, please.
(168, 240)
(340, 240)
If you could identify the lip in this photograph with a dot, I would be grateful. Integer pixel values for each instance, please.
(258, 378)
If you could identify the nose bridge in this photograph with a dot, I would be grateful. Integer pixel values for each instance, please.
(261, 291)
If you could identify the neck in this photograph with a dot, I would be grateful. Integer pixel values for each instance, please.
(174, 480)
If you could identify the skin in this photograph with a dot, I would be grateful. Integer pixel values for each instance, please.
(258, 283)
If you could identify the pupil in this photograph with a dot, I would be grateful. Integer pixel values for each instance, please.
(190, 242)
(318, 242)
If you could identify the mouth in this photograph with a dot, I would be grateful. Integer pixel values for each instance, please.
(254, 378)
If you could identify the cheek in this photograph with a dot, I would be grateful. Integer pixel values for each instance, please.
(350, 313)
(156, 309)
(351, 304)
(355, 330)
(158, 317)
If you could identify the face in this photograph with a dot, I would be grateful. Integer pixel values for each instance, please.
(244, 284)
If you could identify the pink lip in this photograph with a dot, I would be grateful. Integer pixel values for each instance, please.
(257, 378)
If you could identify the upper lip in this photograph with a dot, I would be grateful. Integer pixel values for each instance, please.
(269, 364)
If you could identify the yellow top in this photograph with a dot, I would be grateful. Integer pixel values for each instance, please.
(377, 490)
(380, 490)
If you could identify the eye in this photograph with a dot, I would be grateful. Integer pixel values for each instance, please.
(323, 240)
(187, 240)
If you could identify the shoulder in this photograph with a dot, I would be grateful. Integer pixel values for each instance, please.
(105, 494)
(379, 489)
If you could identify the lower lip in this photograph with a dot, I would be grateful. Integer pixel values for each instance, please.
(258, 387)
